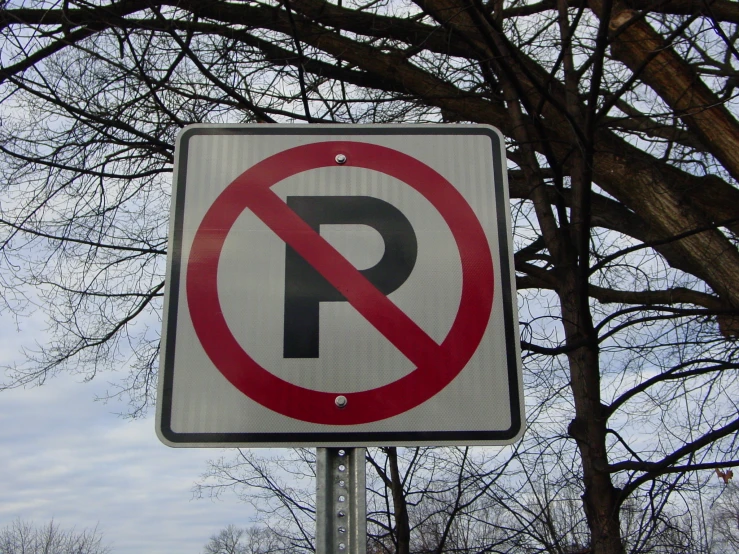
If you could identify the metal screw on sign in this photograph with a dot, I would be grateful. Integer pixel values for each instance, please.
(340, 159)
(341, 522)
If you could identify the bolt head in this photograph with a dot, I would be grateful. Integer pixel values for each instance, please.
(340, 401)
(340, 159)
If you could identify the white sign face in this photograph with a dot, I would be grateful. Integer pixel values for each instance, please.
(340, 286)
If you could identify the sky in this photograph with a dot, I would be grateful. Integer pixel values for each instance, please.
(66, 457)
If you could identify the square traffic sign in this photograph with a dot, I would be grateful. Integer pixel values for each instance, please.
(340, 285)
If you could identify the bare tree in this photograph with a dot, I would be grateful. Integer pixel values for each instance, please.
(280, 487)
(20, 537)
(227, 541)
(725, 519)
(250, 540)
(623, 154)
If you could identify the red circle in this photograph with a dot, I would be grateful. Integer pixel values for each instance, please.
(317, 406)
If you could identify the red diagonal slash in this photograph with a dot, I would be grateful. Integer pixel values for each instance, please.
(377, 308)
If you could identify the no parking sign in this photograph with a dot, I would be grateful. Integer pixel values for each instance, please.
(339, 285)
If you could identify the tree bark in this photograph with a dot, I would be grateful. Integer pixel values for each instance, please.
(402, 524)
(601, 500)
(645, 52)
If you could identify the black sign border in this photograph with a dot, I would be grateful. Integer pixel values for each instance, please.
(344, 438)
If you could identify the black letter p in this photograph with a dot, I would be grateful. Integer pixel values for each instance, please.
(305, 287)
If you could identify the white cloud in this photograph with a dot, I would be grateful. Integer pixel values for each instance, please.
(66, 457)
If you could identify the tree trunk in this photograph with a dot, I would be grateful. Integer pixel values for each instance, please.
(646, 53)
(402, 525)
(588, 428)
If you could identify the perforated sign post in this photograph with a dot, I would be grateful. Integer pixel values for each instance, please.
(339, 286)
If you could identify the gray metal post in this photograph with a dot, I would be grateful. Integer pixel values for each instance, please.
(341, 501)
